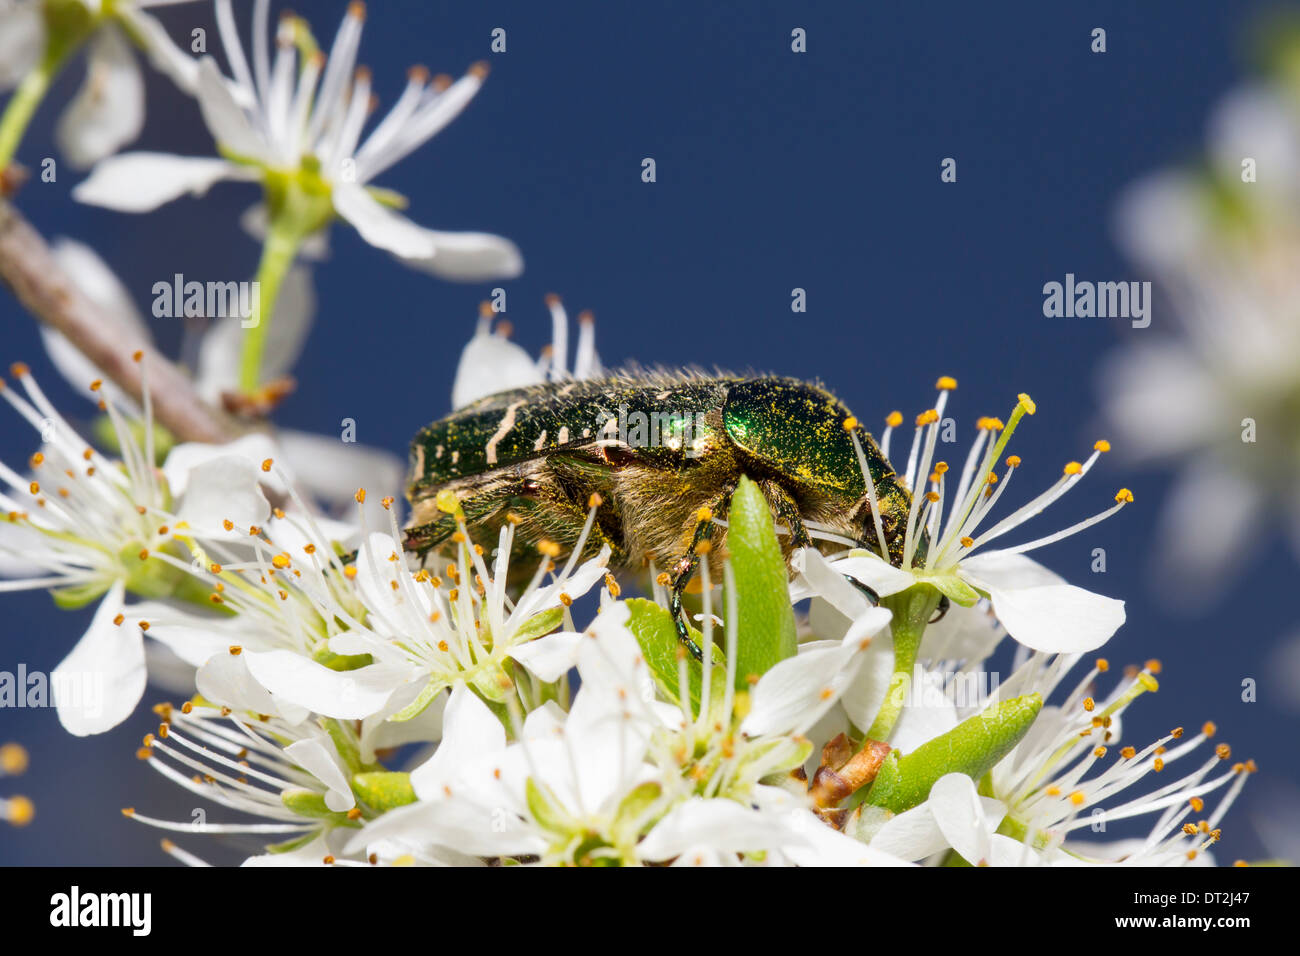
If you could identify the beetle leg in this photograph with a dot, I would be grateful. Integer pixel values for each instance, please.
(684, 569)
(944, 604)
(869, 592)
(788, 511)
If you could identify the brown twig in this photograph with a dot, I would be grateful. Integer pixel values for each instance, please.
(32, 273)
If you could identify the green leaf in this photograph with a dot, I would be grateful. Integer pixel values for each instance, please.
(653, 628)
(972, 748)
(766, 618)
(383, 790)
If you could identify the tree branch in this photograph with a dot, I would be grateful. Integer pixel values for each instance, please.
(32, 273)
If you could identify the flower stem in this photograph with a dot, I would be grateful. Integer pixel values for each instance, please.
(278, 252)
(22, 106)
(912, 610)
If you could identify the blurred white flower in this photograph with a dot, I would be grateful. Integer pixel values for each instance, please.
(273, 124)
(37, 37)
(1214, 385)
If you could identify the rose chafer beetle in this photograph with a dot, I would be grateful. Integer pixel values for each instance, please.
(662, 454)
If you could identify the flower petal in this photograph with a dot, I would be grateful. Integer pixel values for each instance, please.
(471, 257)
(140, 182)
(313, 757)
(550, 657)
(346, 695)
(225, 119)
(22, 41)
(98, 684)
(1056, 618)
(964, 817)
(223, 489)
(108, 110)
(381, 226)
(490, 364)
(470, 732)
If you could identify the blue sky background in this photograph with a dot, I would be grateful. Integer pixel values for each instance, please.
(775, 171)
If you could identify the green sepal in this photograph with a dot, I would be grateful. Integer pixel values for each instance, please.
(309, 803)
(426, 697)
(293, 843)
(339, 662)
(633, 816)
(546, 811)
(653, 628)
(539, 624)
(972, 748)
(955, 589)
(345, 742)
(766, 618)
(383, 790)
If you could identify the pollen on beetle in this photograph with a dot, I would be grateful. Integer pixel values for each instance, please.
(894, 419)
(946, 383)
(704, 514)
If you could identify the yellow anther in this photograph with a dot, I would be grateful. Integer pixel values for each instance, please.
(280, 561)
(595, 500)
(13, 759)
(894, 419)
(1197, 804)
(967, 542)
(1073, 468)
(1209, 728)
(1153, 666)
(1089, 704)
(1027, 403)
(266, 465)
(1077, 798)
(360, 496)
(850, 423)
(548, 548)
(1223, 751)
(1101, 445)
(1124, 495)
(20, 811)
(946, 383)
(932, 497)
(1099, 752)
(1103, 665)
(1149, 682)
(1013, 461)
(927, 417)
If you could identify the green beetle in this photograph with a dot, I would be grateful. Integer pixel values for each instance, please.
(662, 453)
